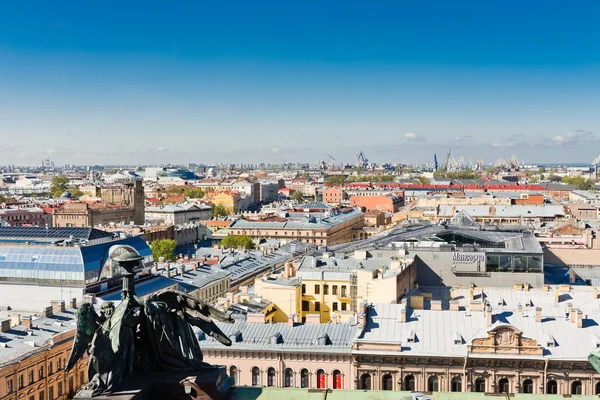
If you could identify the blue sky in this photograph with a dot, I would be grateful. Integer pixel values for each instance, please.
(147, 82)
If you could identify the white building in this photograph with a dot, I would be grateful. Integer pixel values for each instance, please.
(178, 214)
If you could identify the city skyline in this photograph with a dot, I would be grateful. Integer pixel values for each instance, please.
(84, 84)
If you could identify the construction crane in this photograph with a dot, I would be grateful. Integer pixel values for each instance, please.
(324, 164)
(451, 164)
(361, 161)
(435, 162)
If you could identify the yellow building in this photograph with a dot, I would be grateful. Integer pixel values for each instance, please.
(226, 199)
(34, 355)
(284, 292)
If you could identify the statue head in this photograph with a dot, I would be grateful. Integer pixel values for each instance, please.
(107, 309)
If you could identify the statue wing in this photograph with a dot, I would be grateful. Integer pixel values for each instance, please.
(196, 312)
(594, 359)
(87, 324)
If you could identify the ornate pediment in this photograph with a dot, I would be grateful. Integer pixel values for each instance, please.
(505, 339)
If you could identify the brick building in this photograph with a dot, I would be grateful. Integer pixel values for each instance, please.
(84, 215)
(389, 203)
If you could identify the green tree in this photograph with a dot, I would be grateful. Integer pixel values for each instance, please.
(542, 177)
(232, 241)
(163, 248)
(2, 198)
(579, 182)
(423, 180)
(542, 170)
(220, 210)
(534, 179)
(193, 193)
(59, 185)
(554, 178)
(76, 192)
(174, 191)
(335, 180)
(297, 197)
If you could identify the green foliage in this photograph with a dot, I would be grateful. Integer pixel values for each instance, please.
(463, 174)
(423, 180)
(534, 179)
(2, 198)
(193, 193)
(554, 178)
(542, 177)
(231, 241)
(542, 170)
(579, 182)
(163, 248)
(297, 197)
(76, 192)
(59, 185)
(220, 210)
(174, 191)
(341, 179)
(336, 180)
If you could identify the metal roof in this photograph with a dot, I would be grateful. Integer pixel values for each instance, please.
(51, 234)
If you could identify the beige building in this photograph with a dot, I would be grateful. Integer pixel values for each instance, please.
(129, 193)
(82, 215)
(34, 355)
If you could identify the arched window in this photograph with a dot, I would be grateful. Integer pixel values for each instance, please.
(386, 382)
(432, 383)
(456, 384)
(527, 386)
(233, 373)
(271, 377)
(479, 385)
(304, 379)
(255, 376)
(503, 386)
(576, 387)
(409, 383)
(597, 388)
(365, 381)
(321, 382)
(551, 387)
(337, 379)
(288, 378)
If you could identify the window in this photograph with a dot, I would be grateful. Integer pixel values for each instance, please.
(59, 389)
(71, 386)
(551, 387)
(21, 382)
(337, 379)
(41, 372)
(409, 383)
(9, 386)
(288, 378)
(317, 289)
(271, 377)
(334, 290)
(335, 306)
(58, 365)
(343, 306)
(343, 291)
(479, 385)
(527, 386)
(597, 388)
(31, 380)
(576, 387)
(456, 384)
(51, 392)
(365, 381)
(304, 379)
(81, 379)
(41, 395)
(432, 383)
(317, 306)
(386, 382)
(233, 373)
(321, 382)
(503, 386)
(50, 368)
(32, 397)
(303, 289)
(255, 376)
(305, 305)
(325, 289)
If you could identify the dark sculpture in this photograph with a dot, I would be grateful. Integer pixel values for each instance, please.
(154, 335)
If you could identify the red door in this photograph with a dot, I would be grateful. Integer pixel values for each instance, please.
(337, 381)
(321, 381)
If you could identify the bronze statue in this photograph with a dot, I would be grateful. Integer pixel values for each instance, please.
(154, 335)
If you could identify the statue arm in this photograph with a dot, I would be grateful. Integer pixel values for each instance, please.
(87, 324)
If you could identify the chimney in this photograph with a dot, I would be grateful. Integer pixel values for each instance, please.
(57, 306)
(316, 319)
(26, 321)
(476, 305)
(573, 315)
(556, 294)
(255, 317)
(15, 320)
(538, 314)
(89, 298)
(244, 289)
(5, 325)
(436, 305)
(568, 308)
(471, 292)
(291, 320)
(595, 293)
(47, 312)
(519, 307)
(488, 315)
(403, 314)
(526, 287)
(546, 288)
(451, 293)
(579, 319)
(518, 287)
(73, 303)
(453, 305)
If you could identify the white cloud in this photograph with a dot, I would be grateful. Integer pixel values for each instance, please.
(573, 137)
(413, 137)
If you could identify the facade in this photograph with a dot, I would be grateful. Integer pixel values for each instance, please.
(23, 216)
(226, 199)
(389, 203)
(504, 215)
(84, 215)
(334, 196)
(308, 355)
(129, 193)
(34, 368)
(268, 192)
(320, 228)
(174, 214)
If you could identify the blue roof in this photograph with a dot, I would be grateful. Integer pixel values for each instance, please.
(42, 234)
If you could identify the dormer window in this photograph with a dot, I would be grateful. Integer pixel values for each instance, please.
(410, 338)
